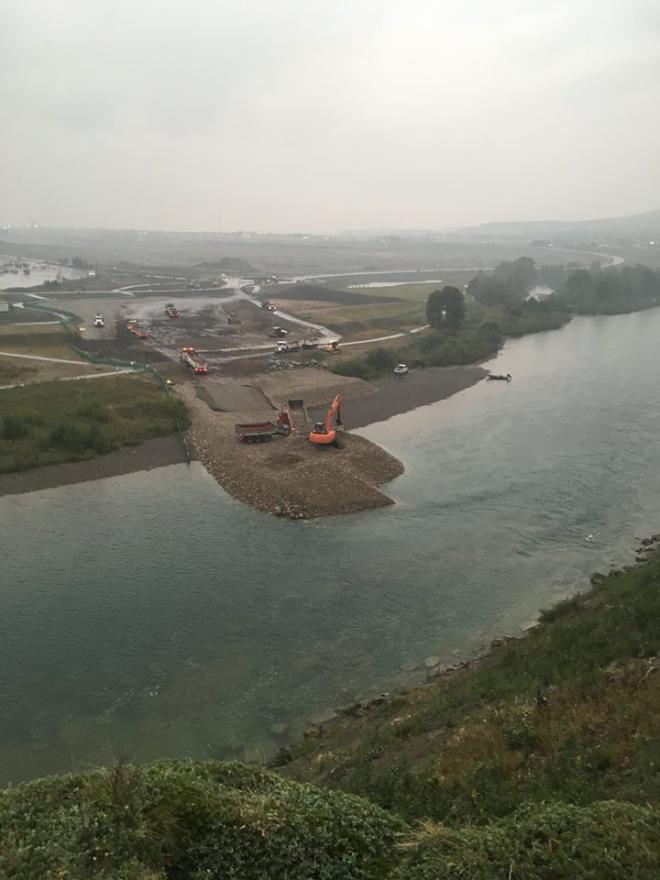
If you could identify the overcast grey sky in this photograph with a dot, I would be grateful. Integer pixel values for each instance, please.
(322, 115)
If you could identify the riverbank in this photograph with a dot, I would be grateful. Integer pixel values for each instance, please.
(391, 396)
(278, 484)
(568, 712)
(154, 453)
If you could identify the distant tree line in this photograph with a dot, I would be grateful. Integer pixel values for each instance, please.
(594, 290)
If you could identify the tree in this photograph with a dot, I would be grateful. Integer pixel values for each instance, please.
(446, 308)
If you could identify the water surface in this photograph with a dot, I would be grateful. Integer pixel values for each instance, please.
(151, 614)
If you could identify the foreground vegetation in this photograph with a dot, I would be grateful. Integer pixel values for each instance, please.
(53, 422)
(541, 761)
(570, 713)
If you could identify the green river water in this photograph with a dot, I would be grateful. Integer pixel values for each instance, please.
(152, 615)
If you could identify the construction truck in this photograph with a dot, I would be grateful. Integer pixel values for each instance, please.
(268, 305)
(331, 347)
(137, 329)
(171, 311)
(191, 358)
(285, 346)
(278, 333)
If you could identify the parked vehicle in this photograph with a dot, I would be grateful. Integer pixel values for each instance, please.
(171, 311)
(194, 360)
(98, 320)
(401, 370)
(278, 333)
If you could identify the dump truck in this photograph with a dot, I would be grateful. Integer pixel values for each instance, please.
(191, 358)
(284, 347)
(263, 432)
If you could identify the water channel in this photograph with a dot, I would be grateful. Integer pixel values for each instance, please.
(152, 615)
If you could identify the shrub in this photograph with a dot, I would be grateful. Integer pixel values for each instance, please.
(608, 841)
(14, 428)
(192, 820)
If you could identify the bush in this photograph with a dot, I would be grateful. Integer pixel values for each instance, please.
(195, 820)
(606, 841)
(14, 428)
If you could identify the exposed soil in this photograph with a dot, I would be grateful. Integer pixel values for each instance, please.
(390, 397)
(289, 476)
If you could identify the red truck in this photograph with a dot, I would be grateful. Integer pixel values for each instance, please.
(137, 329)
(194, 360)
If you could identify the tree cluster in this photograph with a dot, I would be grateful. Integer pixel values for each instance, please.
(509, 284)
(446, 308)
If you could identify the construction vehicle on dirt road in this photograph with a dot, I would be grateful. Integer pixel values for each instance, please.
(268, 305)
(278, 333)
(137, 329)
(171, 311)
(284, 346)
(191, 358)
(325, 433)
(331, 347)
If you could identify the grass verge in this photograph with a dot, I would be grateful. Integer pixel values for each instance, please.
(54, 422)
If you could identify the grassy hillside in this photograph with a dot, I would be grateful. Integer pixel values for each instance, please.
(569, 713)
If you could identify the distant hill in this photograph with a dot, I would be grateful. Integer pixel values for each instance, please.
(634, 226)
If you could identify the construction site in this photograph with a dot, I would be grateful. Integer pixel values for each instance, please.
(267, 411)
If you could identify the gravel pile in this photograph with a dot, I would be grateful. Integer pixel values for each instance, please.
(289, 477)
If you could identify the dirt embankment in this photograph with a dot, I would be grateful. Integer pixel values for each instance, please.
(288, 476)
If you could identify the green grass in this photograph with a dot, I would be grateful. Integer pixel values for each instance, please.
(570, 713)
(482, 334)
(55, 422)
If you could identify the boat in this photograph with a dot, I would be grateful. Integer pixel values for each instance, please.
(499, 377)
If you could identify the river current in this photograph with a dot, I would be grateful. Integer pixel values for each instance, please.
(151, 615)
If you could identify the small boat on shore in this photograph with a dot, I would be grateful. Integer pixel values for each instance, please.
(499, 377)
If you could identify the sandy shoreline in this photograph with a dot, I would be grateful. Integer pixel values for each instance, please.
(390, 397)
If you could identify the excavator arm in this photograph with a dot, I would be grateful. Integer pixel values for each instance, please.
(325, 434)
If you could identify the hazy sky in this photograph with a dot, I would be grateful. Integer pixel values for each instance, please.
(322, 115)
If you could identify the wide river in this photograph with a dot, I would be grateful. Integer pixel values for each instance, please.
(152, 615)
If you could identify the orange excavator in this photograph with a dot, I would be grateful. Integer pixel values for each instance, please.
(325, 432)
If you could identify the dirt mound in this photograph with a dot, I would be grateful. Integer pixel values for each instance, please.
(290, 477)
